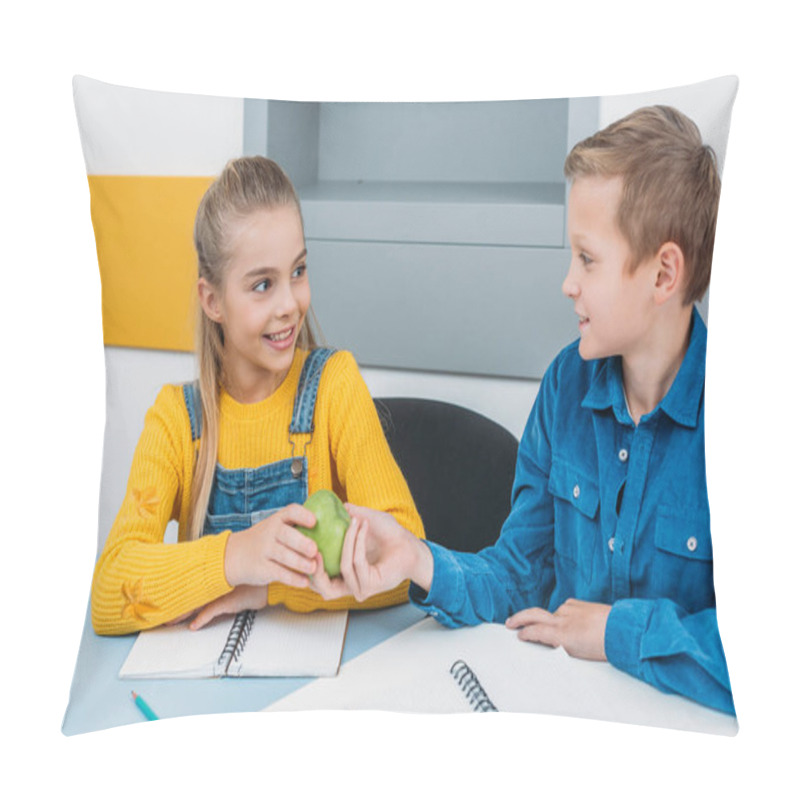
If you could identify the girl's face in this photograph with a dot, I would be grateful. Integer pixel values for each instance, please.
(263, 301)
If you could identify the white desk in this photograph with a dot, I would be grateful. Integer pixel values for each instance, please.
(393, 659)
(411, 672)
(100, 699)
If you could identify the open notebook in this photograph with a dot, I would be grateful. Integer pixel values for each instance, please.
(272, 642)
(429, 668)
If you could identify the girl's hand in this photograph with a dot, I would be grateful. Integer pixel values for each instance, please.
(181, 618)
(273, 550)
(326, 587)
(577, 626)
(379, 554)
(242, 598)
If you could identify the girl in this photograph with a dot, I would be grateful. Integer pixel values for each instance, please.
(231, 457)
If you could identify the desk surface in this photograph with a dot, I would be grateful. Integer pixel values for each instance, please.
(383, 642)
(99, 699)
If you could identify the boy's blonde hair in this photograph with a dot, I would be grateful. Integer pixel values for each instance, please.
(245, 185)
(670, 186)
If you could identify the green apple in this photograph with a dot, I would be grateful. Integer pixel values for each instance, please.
(332, 524)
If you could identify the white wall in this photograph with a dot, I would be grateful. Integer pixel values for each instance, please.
(708, 103)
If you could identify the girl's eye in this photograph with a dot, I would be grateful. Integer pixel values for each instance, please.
(300, 271)
(262, 286)
(585, 259)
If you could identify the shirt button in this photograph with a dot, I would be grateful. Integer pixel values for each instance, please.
(576, 491)
(623, 454)
(691, 543)
(611, 544)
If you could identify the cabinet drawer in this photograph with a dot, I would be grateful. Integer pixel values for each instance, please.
(448, 308)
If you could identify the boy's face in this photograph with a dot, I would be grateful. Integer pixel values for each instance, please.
(613, 304)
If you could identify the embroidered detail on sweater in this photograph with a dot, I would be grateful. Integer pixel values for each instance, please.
(137, 606)
(146, 501)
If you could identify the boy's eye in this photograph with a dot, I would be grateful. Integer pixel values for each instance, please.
(584, 259)
(300, 271)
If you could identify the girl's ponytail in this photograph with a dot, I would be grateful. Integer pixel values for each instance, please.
(245, 185)
(210, 369)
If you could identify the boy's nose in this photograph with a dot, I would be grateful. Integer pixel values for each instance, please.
(570, 286)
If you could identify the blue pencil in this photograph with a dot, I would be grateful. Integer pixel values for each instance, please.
(143, 707)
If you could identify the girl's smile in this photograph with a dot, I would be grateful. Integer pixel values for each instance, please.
(281, 340)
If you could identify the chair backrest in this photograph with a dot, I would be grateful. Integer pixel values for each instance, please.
(459, 466)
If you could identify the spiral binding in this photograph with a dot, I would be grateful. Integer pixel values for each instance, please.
(468, 682)
(237, 639)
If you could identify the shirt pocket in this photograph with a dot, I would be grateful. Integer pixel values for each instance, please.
(683, 566)
(576, 504)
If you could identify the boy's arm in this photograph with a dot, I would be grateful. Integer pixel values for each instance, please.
(467, 588)
(660, 643)
(459, 588)
(517, 571)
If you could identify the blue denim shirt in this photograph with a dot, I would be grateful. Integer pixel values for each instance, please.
(611, 512)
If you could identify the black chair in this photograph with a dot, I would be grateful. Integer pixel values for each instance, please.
(459, 466)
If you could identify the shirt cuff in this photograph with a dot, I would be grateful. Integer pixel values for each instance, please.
(444, 584)
(625, 627)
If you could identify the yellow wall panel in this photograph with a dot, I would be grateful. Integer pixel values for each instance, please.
(148, 269)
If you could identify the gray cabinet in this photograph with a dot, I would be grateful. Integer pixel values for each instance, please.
(436, 231)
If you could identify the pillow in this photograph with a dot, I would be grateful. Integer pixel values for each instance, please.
(401, 202)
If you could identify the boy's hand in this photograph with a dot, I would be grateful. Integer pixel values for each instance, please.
(379, 554)
(273, 550)
(242, 598)
(577, 626)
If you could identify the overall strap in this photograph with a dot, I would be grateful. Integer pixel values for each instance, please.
(304, 402)
(306, 397)
(194, 405)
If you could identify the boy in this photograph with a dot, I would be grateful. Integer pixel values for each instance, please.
(607, 548)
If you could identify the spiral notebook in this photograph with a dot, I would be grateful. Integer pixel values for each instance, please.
(433, 669)
(273, 642)
(425, 668)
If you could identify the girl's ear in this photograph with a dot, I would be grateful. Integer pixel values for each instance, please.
(209, 300)
(671, 271)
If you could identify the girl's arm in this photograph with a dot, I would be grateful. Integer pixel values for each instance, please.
(139, 581)
(363, 471)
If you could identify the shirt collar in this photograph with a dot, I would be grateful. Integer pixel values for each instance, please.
(684, 398)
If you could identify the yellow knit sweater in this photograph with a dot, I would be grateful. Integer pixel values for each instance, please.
(140, 581)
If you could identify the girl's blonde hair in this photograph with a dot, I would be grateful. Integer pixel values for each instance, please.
(245, 185)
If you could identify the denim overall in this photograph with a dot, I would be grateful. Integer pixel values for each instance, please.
(241, 497)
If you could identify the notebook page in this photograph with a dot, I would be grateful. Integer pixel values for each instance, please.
(537, 678)
(292, 644)
(174, 651)
(409, 672)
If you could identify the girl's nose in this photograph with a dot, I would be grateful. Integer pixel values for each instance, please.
(287, 302)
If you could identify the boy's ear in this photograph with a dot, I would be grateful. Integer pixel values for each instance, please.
(209, 300)
(671, 271)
